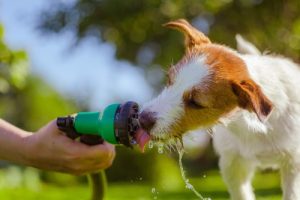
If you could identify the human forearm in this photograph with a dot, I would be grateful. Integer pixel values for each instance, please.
(13, 143)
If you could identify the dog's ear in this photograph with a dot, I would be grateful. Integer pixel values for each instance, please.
(193, 37)
(251, 97)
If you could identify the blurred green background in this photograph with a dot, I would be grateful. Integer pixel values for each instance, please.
(34, 91)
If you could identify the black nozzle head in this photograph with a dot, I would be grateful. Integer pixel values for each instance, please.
(126, 123)
(66, 124)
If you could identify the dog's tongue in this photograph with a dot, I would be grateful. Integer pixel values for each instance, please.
(142, 138)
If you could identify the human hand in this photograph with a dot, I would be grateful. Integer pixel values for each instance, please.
(50, 149)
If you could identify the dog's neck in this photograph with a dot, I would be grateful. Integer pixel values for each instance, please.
(240, 121)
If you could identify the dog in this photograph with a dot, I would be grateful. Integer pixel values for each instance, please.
(254, 99)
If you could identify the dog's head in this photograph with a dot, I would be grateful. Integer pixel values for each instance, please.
(210, 82)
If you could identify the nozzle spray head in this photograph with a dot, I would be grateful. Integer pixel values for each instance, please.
(117, 124)
(126, 123)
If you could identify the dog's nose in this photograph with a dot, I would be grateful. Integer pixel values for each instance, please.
(147, 120)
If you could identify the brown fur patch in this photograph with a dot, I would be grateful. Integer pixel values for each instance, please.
(193, 37)
(250, 97)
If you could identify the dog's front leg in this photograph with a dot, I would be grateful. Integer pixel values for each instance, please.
(290, 181)
(237, 173)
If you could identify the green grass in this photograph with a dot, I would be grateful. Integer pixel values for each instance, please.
(266, 188)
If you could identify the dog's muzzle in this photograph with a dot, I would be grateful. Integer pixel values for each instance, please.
(147, 120)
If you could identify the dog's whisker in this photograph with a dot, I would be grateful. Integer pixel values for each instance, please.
(210, 131)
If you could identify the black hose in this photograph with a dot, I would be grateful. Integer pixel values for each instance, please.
(98, 184)
(97, 181)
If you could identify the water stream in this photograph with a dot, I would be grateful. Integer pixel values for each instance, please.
(180, 150)
(188, 185)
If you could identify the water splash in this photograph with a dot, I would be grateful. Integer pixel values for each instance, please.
(188, 185)
(153, 190)
(179, 147)
(160, 148)
(150, 144)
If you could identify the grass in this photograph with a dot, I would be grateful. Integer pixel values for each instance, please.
(266, 185)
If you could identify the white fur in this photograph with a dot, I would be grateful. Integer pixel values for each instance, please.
(245, 47)
(246, 143)
(168, 106)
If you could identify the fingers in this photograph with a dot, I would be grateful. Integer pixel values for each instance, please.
(79, 158)
(102, 155)
(87, 159)
(102, 150)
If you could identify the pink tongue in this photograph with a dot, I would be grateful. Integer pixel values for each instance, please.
(142, 138)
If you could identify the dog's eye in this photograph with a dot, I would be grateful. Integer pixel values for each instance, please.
(190, 101)
(193, 104)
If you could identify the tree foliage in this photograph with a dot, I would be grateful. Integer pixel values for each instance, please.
(13, 68)
(25, 100)
(134, 27)
(13, 75)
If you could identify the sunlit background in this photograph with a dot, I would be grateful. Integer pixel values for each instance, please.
(61, 57)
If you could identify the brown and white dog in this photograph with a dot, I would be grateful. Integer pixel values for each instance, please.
(255, 97)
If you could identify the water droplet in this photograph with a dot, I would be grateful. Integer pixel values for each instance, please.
(160, 148)
(155, 197)
(133, 142)
(141, 178)
(189, 186)
(204, 176)
(150, 144)
(153, 190)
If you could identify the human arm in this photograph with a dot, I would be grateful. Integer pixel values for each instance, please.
(50, 149)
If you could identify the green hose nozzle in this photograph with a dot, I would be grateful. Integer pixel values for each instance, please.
(116, 124)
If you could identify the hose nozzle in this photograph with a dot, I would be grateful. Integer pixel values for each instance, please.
(117, 124)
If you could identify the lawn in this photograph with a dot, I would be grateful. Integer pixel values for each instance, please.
(211, 185)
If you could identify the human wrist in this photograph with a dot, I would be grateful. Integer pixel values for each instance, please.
(13, 143)
(27, 148)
